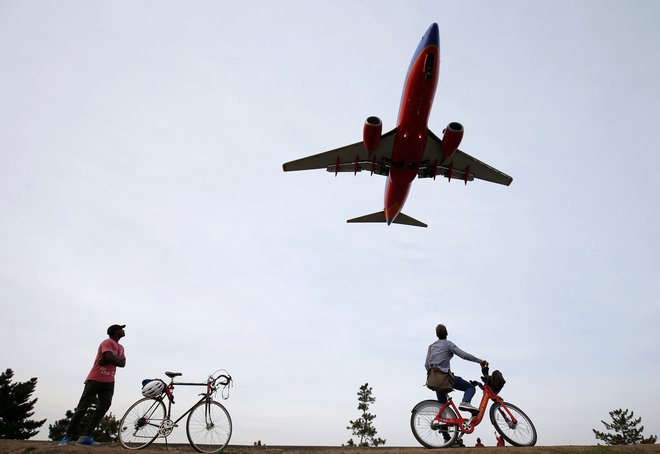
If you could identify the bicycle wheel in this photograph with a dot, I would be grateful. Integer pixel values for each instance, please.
(139, 426)
(522, 433)
(208, 427)
(432, 437)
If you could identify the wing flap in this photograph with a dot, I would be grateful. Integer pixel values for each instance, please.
(458, 165)
(373, 166)
(341, 159)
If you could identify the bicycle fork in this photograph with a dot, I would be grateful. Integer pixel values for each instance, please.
(207, 415)
(508, 417)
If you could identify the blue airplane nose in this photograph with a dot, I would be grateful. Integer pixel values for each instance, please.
(432, 35)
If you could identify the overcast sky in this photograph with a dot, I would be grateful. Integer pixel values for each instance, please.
(141, 146)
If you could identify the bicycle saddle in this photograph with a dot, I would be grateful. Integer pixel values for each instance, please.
(173, 374)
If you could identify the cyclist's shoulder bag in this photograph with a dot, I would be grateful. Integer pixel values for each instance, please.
(440, 381)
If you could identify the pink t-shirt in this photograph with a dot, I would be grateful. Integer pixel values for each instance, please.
(106, 372)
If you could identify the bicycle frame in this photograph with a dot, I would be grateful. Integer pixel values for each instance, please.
(167, 425)
(205, 397)
(467, 425)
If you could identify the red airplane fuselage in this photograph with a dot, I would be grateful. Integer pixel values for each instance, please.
(412, 124)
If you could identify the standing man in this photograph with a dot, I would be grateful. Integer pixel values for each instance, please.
(440, 354)
(99, 383)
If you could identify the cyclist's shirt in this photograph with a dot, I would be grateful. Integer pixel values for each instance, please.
(106, 372)
(442, 351)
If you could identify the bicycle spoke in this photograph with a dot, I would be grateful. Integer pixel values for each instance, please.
(425, 432)
(209, 427)
(520, 433)
(140, 425)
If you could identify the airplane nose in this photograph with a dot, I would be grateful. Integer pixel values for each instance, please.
(433, 35)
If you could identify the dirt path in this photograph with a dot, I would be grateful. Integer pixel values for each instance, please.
(47, 447)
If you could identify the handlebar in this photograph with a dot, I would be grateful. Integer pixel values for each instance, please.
(485, 378)
(224, 380)
(221, 380)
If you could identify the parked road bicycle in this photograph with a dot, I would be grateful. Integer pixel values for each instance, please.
(437, 425)
(208, 426)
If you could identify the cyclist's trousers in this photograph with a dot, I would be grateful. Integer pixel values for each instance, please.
(461, 385)
(93, 389)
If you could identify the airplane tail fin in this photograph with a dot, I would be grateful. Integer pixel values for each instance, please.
(379, 216)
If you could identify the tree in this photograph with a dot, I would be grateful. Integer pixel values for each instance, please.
(16, 408)
(105, 431)
(362, 427)
(625, 430)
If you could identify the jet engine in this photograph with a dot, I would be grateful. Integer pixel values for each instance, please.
(371, 133)
(451, 138)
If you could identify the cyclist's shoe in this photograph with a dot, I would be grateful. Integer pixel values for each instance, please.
(467, 406)
(458, 444)
(87, 441)
(64, 441)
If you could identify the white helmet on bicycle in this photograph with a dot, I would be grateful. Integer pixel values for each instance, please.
(153, 388)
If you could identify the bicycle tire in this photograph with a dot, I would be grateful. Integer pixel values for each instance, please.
(420, 423)
(140, 424)
(208, 427)
(523, 433)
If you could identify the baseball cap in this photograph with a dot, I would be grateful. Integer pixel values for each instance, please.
(113, 328)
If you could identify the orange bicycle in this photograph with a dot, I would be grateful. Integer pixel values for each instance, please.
(437, 425)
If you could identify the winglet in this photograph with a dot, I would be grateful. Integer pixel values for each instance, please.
(379, 216)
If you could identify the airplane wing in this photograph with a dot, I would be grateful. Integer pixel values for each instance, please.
(460, 165)
(351, 158)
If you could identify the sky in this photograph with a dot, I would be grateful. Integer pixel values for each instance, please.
(141, 146)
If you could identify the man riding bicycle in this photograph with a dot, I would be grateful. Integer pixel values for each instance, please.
(439, 355)
(439, 423)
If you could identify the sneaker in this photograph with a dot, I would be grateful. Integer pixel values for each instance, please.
(467, 406)
(458, 444)
(64, 441)
(87, 441)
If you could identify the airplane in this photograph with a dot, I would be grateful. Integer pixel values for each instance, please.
(410, 150)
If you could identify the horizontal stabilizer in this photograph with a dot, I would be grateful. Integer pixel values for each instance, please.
(379, 216)
(407, 220)
(373, 217)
